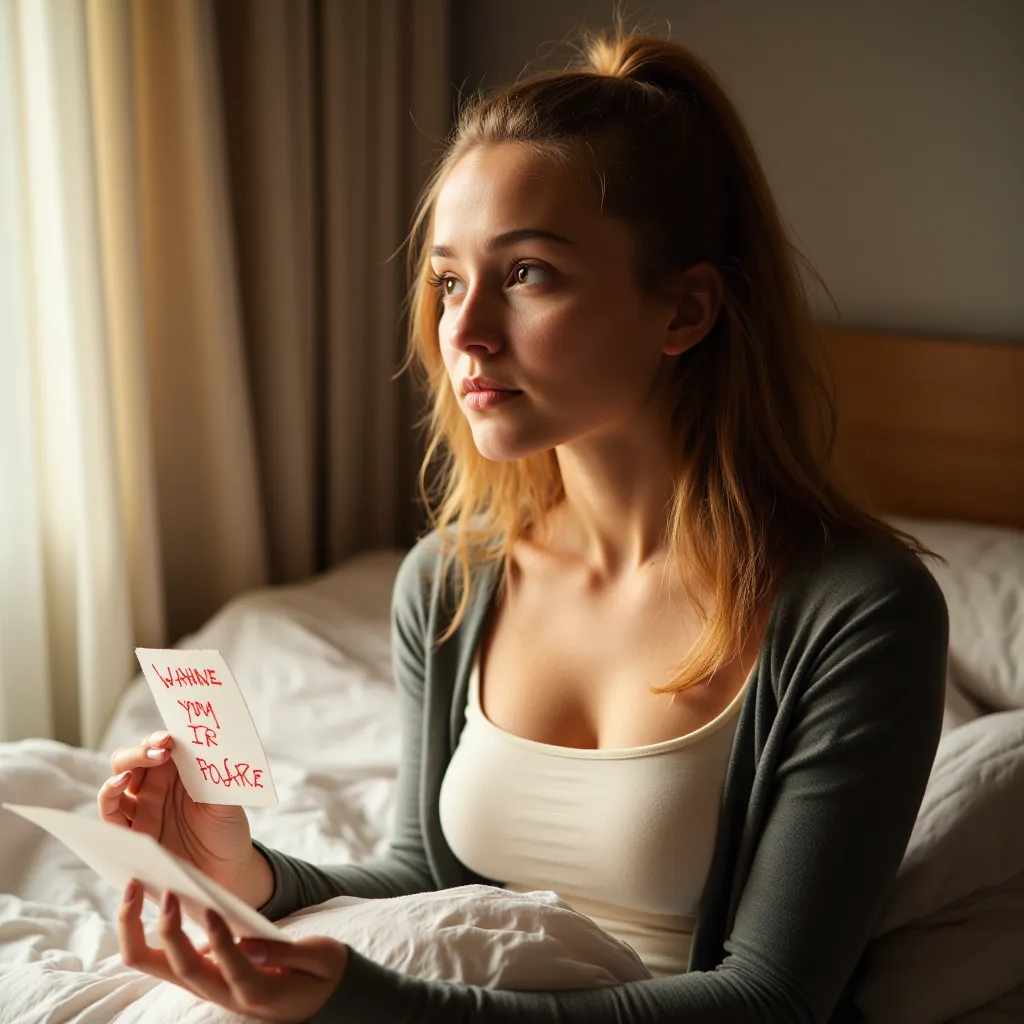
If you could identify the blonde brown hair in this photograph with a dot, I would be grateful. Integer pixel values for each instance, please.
(753, 419)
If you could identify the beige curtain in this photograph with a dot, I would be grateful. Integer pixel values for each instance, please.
(282, 146)
(204, 201)
(337, 110)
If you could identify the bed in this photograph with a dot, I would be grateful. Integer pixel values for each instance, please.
(931, 434)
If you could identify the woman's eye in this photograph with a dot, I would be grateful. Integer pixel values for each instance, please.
(528, 273)
(450, 286)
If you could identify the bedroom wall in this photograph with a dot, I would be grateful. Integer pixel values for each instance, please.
(892, 134)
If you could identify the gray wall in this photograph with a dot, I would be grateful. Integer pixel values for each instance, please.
(892, 132)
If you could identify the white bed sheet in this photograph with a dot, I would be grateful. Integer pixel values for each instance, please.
(314, 664)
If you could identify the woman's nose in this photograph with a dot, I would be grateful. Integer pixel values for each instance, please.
(476, 322)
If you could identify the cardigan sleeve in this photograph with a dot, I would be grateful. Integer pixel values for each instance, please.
(838, 811)
(404, 868)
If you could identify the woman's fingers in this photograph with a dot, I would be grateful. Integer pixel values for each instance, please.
(135, 952)
(248, 985)
(191, 970)
(115, 805)
(138, 775)
(131, 935)
(127, 808)
(116, 798)
(154, 750)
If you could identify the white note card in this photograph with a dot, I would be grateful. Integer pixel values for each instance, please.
(118, 854)
(217, 750)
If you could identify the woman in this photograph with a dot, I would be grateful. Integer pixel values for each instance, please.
(650, 657)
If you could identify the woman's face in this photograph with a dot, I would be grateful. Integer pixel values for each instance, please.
(539, 293)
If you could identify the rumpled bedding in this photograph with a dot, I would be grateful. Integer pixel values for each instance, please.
(952, 935)
(314, 664)
(473, 934)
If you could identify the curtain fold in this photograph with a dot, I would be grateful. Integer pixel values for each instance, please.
(113, 113)
(268, 85)
(207, 493)
(26, 706)
(202, 207)
(338, 110)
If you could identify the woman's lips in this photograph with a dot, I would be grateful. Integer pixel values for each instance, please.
(488, 399)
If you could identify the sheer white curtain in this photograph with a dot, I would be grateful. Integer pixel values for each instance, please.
(81, 542)
(65, 602)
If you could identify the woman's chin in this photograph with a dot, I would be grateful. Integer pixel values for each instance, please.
(494, 453)
(509, 441)
(496, 449)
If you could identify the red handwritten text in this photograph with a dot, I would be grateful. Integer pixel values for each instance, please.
(209, 737)
(227, 778)
(196, 709)
(188, 677)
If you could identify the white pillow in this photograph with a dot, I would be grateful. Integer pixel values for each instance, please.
(959, 708)
(983, 584)
(473, 934)
(950, 936)
(969, 832)
(953, 962)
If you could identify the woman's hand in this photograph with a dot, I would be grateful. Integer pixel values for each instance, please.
(146, 795)
(273, 981)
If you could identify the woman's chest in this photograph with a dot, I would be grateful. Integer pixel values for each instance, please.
(574, 669)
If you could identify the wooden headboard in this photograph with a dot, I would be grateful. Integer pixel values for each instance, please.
(931, 428)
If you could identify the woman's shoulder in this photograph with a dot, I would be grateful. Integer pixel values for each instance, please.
(857, 563)
(417, 578)
(858, 646)
(857, 577)
(416, 572)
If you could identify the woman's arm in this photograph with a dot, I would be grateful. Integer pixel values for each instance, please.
(404, 869)
(839, 812)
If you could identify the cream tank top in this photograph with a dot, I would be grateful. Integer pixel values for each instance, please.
(624, 836)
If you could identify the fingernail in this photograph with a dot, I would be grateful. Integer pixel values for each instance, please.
(159, 737)
(167, 903)
(256, 952)
(155, 754)
(122, 778)
(130, 890)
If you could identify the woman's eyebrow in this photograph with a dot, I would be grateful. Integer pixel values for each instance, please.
(504, 240)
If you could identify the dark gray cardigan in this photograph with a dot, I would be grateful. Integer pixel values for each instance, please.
(833, 747)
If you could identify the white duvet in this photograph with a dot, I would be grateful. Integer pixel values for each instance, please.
(314, 664)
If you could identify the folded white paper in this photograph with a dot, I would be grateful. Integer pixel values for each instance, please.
(119, 854)
(216, 750)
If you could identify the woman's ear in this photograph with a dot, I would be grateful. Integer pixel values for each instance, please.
(698, 293)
